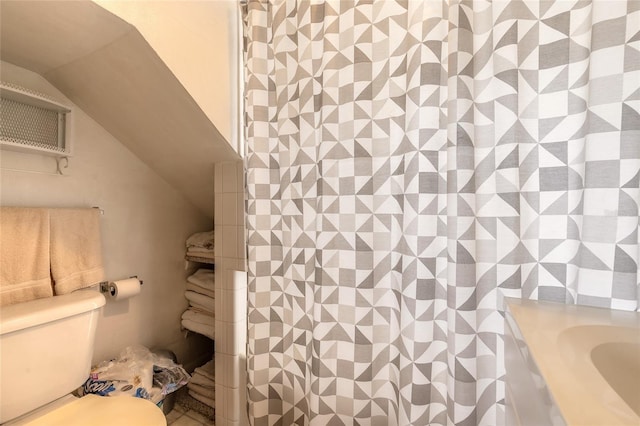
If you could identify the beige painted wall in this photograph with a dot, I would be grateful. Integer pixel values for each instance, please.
(144, 227)
(198, 41)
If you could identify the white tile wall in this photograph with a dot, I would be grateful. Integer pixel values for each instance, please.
(217, 174)
(231, 294)
(221, 399)
(236, 311)
(230, 239)
(241, 237)
(218, 302)
(233, 406)
(230, 176)
(229, 209)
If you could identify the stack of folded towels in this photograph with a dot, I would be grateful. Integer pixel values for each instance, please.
(201, 244)
(199, 317)
(202, 384)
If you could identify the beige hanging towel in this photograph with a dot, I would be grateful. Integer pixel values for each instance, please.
(24, 255)
(76, 253)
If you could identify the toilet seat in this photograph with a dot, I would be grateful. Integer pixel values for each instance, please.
(96, 410)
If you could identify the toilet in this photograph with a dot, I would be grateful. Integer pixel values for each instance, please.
(46, 346)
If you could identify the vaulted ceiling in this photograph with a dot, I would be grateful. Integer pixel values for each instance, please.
(106, 67)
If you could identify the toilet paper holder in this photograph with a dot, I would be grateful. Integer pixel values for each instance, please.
(104, 285)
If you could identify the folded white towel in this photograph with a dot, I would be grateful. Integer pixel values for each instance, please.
(207, 370)
(204, 278)
(201, 299)
(24, 255)
(203, 319)
(76, 253)
(205, 330)
(195, 250)
(201, 239)
(207, 392)
(203, 254)
(201, 309)
(202, 380)
(207, 401)
(201, 290)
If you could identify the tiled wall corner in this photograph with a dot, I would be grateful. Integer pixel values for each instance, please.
(231, 295)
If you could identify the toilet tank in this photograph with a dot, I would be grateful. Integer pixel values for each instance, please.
(46, 346)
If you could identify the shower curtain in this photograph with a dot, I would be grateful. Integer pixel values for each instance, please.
(409, 165)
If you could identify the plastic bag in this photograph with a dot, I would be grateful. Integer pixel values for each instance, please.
(167, 375)
(130, 374)
(134, 373)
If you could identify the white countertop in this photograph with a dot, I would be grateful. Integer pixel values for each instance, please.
(560, 339)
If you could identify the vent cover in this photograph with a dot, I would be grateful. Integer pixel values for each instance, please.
(32, 122)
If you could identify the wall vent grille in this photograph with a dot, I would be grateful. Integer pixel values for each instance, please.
(32, 122)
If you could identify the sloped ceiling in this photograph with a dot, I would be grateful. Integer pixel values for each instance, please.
(107, 68)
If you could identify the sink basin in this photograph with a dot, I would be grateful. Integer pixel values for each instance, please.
(614, 352)
(619, 364)
(581, 364)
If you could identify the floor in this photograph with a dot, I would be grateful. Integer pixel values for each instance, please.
(181, 416)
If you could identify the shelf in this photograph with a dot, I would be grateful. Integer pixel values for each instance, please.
(28, 97)
(198, 259)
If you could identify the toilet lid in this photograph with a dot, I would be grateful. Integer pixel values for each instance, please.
(96, 410)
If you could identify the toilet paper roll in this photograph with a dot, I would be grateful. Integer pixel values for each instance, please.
(124, 289)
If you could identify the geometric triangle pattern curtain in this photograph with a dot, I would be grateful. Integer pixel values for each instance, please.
(409, 165)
